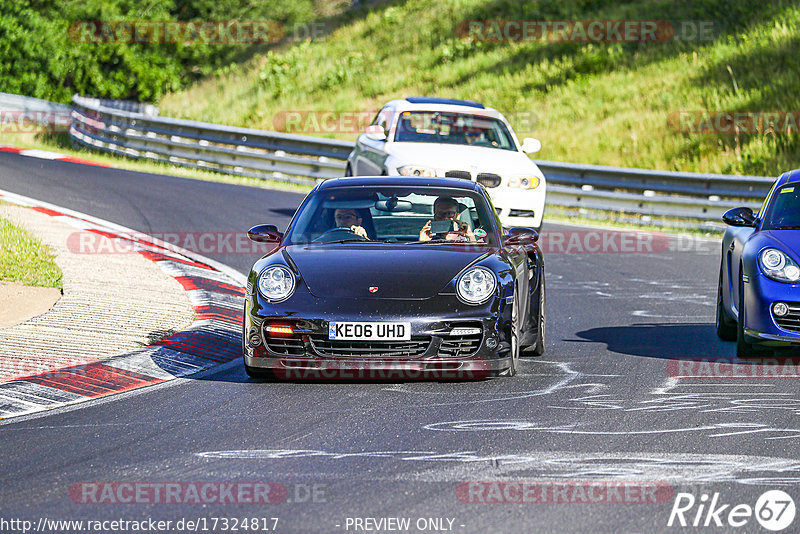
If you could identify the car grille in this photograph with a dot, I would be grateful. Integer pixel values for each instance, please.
(455, 346)
(488, 179)
(520, 213)
(286, 346)
(464, 175)
(790, 321)
(370, 349)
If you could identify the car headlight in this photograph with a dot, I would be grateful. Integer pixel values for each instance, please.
(524, 182)
(476, 286)
(276, 283)
(778, 266)
(416, 170)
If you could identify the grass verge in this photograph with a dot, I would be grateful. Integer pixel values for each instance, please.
(25, 259)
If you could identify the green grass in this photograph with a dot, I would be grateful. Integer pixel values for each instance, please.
(607, 104)
(23, 258)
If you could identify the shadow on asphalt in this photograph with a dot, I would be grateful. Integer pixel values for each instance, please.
(680, 341)
(672, 341)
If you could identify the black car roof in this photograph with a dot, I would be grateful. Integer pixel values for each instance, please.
(401, 181)
(439, 100)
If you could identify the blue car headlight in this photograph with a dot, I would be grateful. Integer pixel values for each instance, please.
(276, 283)
(778, 266)
(476, 286)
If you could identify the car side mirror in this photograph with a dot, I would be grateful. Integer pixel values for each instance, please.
(375, 132)
(531, 145)
(265, 233)
(521, 235)
(740, 217)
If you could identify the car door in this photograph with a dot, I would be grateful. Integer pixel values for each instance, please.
(733, 245)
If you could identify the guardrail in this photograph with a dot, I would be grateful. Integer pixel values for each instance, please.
(659, 197)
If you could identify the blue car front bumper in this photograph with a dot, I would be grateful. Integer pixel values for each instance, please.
(760, 323)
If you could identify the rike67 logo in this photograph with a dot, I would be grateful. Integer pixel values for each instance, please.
(774, 510)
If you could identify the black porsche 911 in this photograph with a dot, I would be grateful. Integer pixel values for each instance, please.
(394, 278)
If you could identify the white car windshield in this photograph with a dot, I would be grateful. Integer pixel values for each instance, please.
(453, 129)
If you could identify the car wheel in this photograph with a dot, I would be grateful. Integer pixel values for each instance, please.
(348, 171)
(744, 349)
(538, 348)
(726, 327)
(257, 372)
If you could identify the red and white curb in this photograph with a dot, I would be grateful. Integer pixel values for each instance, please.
(46, 154)
(215, 291)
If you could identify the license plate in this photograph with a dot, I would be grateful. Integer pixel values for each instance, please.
(352, 331)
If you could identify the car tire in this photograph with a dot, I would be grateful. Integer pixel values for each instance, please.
(513, 338)
(258, 372)
(541, 327)
(744, 349)
(512, 368)
(726, 327)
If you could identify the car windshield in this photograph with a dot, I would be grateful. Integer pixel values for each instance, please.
(386, 214)
(785, 210)
(453, 129)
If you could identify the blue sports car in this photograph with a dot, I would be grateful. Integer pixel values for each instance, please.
(758, 300)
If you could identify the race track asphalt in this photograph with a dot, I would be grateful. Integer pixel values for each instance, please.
(601, 409)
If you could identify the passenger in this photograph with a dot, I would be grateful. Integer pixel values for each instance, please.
(444, 209)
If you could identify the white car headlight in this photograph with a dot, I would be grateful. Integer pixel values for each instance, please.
(778, 266)
(276, 283)
(524, 181)
(416, 170)
(476, 286)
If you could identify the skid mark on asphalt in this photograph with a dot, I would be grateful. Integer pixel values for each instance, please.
(564, 465)
(718, 429)
(568, 378)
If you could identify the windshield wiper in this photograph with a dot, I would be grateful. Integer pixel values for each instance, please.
(787, 228)
(351, 240)
(445, 242)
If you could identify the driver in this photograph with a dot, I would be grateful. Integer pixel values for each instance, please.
(350, 219)
(444, 209)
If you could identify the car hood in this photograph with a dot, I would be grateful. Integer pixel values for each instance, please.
(462, 158)
(349, 270)
(786, 240)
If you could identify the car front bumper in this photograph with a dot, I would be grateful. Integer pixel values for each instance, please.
(436, 350)
(761, 325)
(519, 207)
